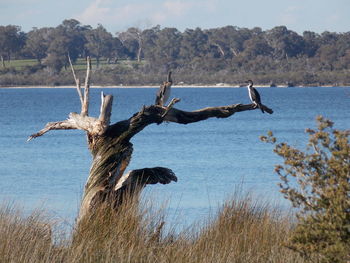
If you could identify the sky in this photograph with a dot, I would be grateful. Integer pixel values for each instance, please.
(118, 15)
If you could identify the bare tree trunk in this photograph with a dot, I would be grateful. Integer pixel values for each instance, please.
(139, 52)
(97, 61)
(111, 148)
(222, 52)
(234, 52)
(3, 61)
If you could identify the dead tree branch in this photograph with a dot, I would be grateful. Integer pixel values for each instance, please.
(77, 81)
(111, 147)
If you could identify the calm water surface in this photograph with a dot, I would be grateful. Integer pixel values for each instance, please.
(210, 158)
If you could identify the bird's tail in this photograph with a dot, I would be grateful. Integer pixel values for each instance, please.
(261, 108)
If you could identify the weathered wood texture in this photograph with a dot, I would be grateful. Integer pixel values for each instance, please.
(111, 148)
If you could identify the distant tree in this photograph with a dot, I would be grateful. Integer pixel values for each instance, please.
(150, 37)
(328, 56)
(118, 49)
(345, 61)
(132, 40)
(286, 43)
(99, 43)
(55, 62)
(317, 182)
(219, 40)
(75, 32)
(256, 46)
(194, 44)
(37, 42)
(12, 39)
(167, 48)
(322, 58)
(232, 37)
(328, 38)
(58, 50)
(67, 38)
(228, 42)
(312, 43)
(343, 44)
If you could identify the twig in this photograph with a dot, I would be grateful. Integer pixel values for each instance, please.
(77, 81)
(170, 105)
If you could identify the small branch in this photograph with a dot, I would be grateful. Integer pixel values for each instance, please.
(220, 49)
(170, 105)
(75, 121)
(77, 81)
(234, 52)
(85, 106)
(59, 125)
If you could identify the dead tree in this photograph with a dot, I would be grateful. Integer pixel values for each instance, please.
(111, 148)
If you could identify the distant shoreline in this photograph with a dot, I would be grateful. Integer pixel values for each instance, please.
(152, 86)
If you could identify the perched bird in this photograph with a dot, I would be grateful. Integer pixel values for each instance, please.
(254, 95)
(163, 93)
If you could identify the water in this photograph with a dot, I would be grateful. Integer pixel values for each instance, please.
(210, 158)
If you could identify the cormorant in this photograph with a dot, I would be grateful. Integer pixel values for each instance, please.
(254, 95)
(163, 93)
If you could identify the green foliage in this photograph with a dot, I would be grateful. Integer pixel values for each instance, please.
(321, 192)
(99, 43)
(12, 40)
(37, 43)
(229, 53)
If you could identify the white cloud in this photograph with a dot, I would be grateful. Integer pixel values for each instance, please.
(94, 12)
(104, 12)
(176, 9)
(115, 15)
(171, 10)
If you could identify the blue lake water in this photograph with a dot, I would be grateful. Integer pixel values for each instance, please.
(210, 158)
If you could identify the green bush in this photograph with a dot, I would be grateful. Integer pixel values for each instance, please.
(317, 182)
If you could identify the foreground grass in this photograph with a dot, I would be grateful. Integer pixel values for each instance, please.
(242, 231)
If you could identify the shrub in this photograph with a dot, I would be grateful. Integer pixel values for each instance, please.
(317, 182)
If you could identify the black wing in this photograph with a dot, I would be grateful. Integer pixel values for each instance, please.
(257, 100)
(256, 96)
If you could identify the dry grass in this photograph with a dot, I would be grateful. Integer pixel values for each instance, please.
(242, 231)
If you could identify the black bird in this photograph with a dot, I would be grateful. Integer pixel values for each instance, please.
(254, 95)
(163, 93)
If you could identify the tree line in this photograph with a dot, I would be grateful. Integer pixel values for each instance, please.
(228, 53)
